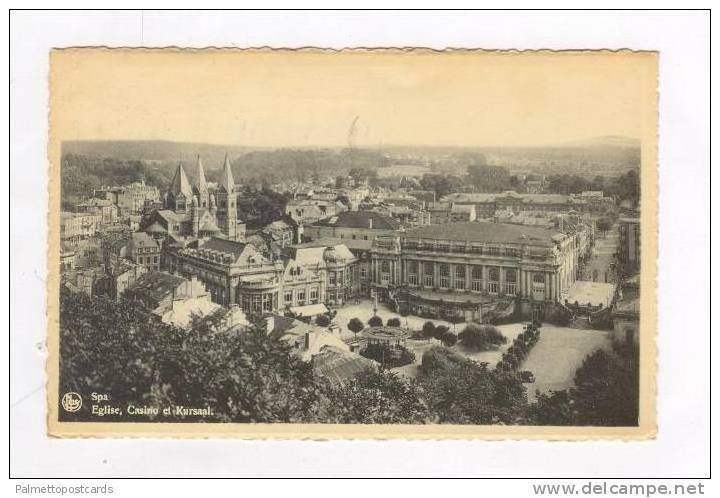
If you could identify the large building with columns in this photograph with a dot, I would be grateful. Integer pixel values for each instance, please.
(465, 266)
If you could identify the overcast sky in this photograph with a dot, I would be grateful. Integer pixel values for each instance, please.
(306, 99)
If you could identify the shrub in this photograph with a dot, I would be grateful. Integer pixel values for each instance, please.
(449, 339)
(440, 332)
(322, 320)
(388, 356)
(393, 322)
(439, 358)
(428, 329)
(356, 325)
(375, 321)
(481, 337)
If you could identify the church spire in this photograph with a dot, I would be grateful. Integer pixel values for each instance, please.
(180, 183)
(201, 183)
(227, 181)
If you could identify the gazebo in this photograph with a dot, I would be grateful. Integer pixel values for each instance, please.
(392, 336)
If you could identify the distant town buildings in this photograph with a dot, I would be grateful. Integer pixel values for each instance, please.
(77, 226)
(129, 199)
(353, 225)
(487, 204)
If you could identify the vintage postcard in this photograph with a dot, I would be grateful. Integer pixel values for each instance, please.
(323, 244)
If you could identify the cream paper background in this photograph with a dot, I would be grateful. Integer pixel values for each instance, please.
(682, 445)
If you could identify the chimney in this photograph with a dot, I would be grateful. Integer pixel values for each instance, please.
(307, 340)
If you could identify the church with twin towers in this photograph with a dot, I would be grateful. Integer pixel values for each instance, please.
(196, 210)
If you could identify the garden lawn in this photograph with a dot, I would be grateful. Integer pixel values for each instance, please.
(364, 311)
(558, 354)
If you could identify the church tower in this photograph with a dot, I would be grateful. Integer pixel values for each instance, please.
(226, 199)
(179, 196)
(201, 189)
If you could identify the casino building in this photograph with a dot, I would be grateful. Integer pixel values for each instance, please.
(459, 269)
(236, 273)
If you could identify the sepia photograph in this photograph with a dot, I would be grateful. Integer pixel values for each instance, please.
(352, 244)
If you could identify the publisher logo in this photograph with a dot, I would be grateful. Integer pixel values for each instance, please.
(71, 402)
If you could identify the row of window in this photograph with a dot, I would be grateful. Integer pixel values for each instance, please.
(493, 287)
(441, 247)
(257, 302)
(147, 260)
(337, 278)
(298, 296)
(444, 269)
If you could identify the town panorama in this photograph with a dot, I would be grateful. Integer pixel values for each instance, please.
(350, 285)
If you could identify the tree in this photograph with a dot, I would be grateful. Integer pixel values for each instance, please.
(449, 339)
(355, 325)
(440, 332)
(322, 320)
(439, 358)
(462, 391)
(606, 393)
(375, 321)
(481, 337)
(488, 178)
(388, 356)
(382, 397)
(428, 329)
(393, 322)
(120, 349)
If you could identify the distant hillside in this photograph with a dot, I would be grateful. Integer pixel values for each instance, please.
(604, 141)
(156, 150)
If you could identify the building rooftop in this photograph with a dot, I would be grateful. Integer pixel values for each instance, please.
(156, 285)
(339, 366)
(358, 244)
(360, 219)
(142, 239)
(226, 246)
(502, 233)
(526, 198)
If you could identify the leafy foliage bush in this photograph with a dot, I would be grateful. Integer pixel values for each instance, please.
(393, 322)
(375, 321)
(428, 329)
(119, 348)
(462, 391)
(481, 337)
(439, 358)
(380, 397)
(355, 325)
(388, 356)
(520, 348)
(122, 350)
(606, 393)
(449, 339)
(322, 320)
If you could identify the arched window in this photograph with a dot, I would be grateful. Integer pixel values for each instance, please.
(477, 273)
(413, 267)
(494, 274)
(444, 275)
(539, 278)
(510, 276)
(460, 271)
(385, 267)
